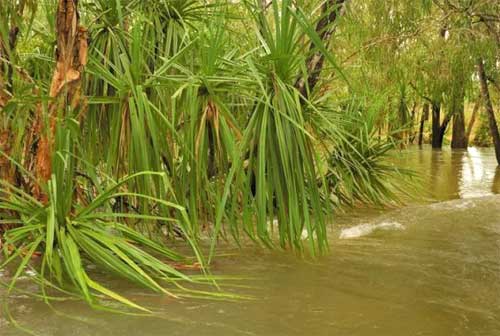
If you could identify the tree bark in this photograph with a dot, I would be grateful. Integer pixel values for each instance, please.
(413, 115)
(325, 28)
(444, 127)
(438, 128)
(65, 89)
(458, 138)
(485, 92)
(425, 117)
(437, 139)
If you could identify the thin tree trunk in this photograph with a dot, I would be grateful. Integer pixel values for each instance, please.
(325, 28)
(401, 127)
(412, 123)
(425, 117)
(489, 108)
(65, 89)
(438, 129)
(444, 127)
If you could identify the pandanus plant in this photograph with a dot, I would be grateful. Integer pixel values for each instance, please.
(70, 223)
(164, 121)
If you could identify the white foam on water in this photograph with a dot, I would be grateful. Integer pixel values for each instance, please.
(366, 229)
(454, 205)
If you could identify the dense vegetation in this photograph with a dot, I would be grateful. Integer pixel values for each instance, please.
(126, 125)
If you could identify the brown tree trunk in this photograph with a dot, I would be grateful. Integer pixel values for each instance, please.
(458, 137)
(489, 108)
(425, 117)
(413, 115)
(65, 89)
(438, 128)
(444, 127)
(436, 120)
(325, 28)
(437, 139)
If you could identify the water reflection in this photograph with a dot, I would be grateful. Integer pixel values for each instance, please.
(456, 174)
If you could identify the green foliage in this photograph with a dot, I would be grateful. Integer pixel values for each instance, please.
(192, 127)
(359, 166)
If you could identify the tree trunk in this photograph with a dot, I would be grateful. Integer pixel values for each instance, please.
(425, 117)
(65, 89)
(413, 115)
(489, 108)
(444, 127)
(399, 129)
(459, 138)
(325, 28)
(439, 129)
(437, 139)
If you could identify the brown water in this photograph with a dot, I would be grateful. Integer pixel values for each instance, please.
(425, 269)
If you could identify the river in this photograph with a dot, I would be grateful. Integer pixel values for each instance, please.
(428, 268)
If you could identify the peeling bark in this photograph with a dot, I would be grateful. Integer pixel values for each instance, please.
(65, 89)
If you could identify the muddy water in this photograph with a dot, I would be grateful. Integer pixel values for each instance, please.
(425, 269)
